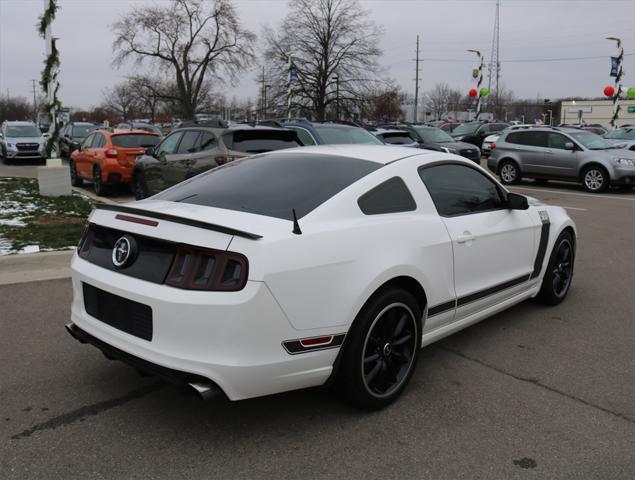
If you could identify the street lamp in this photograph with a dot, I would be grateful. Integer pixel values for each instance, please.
(264, 101)
(336, 77)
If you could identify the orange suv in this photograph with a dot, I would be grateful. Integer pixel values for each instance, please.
(106, 158)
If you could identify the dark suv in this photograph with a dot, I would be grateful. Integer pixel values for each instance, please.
(330, 133)
(199, 146)
(475, 132)
(72, 136)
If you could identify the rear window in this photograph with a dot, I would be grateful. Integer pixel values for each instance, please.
(260, 141)
(397, 138)
(530, 138)
(338, 135)
(133, 140)
(273, 184)
(392, 196)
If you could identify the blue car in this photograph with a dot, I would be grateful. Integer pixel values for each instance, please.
(330, 133)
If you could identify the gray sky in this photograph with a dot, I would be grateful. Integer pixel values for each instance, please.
(530, 30)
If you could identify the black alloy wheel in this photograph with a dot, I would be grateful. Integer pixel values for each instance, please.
(559, 273)
(76, 180)
(380, 350)
(98, 183)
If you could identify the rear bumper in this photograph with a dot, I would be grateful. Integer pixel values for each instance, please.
(233, 339)
(116, 174)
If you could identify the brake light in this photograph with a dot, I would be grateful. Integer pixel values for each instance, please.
(492, 146)
(111, 153)
(223, 159)
(196, 268)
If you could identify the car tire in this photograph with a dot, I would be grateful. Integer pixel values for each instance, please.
(509, 173)
(137, 187)
(559, 273)
(98, 183)
(595, 179)
(380, 351)
(76, 180)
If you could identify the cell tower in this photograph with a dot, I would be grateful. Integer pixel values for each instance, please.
(494, 67)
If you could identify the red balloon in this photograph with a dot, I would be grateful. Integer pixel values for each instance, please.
(609, 91)
(473, 92)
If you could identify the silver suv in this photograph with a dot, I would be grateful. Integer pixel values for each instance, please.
(21, 141)
(552, 153)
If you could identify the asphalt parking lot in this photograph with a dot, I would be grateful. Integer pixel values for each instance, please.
(533, 392)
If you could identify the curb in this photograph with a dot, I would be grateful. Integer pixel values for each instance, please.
(33, 267)
(94, 197)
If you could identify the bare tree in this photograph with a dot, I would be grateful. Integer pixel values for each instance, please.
(15, 108)
(192, 41)
(441, 99)
(334, 46)
(121, 99)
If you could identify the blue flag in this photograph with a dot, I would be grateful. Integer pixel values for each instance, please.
(293, 73)
(613, 67)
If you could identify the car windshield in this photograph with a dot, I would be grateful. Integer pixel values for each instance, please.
(81, 131)
(272, 184)
(333, 135)
(466, 129)
(591, 140)
(134, 140)
(397, 138)
(434, 135)
(22, 131)
(260, 140)
(622, 134)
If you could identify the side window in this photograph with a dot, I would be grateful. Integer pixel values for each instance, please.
(99, 141)
(460, 190)
(483, 129)
(392, 196)
(556, 140)
(88, 141)
(497, 127)
(169, 144)
(207, 141)
(188, 142)
(305, 137)
(528, 137)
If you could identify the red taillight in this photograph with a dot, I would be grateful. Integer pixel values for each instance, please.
(196, 268)
(492, 146)
(111, 153)
(223, 159)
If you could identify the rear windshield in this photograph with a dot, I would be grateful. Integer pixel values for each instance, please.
(260, 141)
(338, 135)
(132, 140)
(272, 184)
(397, 138)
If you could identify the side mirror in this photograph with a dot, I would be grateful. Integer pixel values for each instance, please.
(150, 151)
(569, 146)
(517, 202)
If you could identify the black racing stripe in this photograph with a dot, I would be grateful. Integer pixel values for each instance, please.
(294, 347)
(181, 220)
(542, 248)
(490, 291)
(443, 307)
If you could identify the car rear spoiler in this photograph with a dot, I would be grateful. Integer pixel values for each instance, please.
(181, 220)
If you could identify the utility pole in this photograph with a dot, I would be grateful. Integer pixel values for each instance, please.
(493, 71)
(416, 60)
(263, 93)
(337, 97)
(34, 102)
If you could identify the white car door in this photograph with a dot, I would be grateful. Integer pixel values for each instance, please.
(493, 245)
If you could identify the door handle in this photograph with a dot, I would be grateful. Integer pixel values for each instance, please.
(465, 237)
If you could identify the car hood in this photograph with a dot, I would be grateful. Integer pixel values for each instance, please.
(24, 139)
(615, 141)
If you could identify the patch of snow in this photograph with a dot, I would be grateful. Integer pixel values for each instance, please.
(30, 249)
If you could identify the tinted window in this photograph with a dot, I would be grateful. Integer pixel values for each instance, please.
(272, 184)
(497, 127)
(459, 190)
(305, 137)
(99, 141)
(207, 141)
(188, 142)
(338, 135)
(392, 196)
(555, 140)
(133, 140)
(168, 146)
(531, 138)
(260, 140)
(433, 135)
(397, 138)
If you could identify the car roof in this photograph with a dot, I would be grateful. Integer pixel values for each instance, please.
(127, 131)
(19, 122)
(383, 154)
(381, 131)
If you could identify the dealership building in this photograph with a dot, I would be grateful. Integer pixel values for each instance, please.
(597, 112)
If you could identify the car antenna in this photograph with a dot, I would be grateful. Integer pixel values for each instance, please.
(296, 225)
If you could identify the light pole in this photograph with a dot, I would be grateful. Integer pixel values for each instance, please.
(337, 96)
(264, 102)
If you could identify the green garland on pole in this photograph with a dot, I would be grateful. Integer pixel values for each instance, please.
(49, 82)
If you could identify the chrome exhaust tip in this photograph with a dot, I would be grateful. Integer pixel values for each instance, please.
(204, 391)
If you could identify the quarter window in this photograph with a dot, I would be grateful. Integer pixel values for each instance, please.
(168, 146)
(460, 190)
(530, 138)
(305, 137)
(392, 196)
(207, 141)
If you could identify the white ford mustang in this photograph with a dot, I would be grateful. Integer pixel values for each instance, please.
(312, 266)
